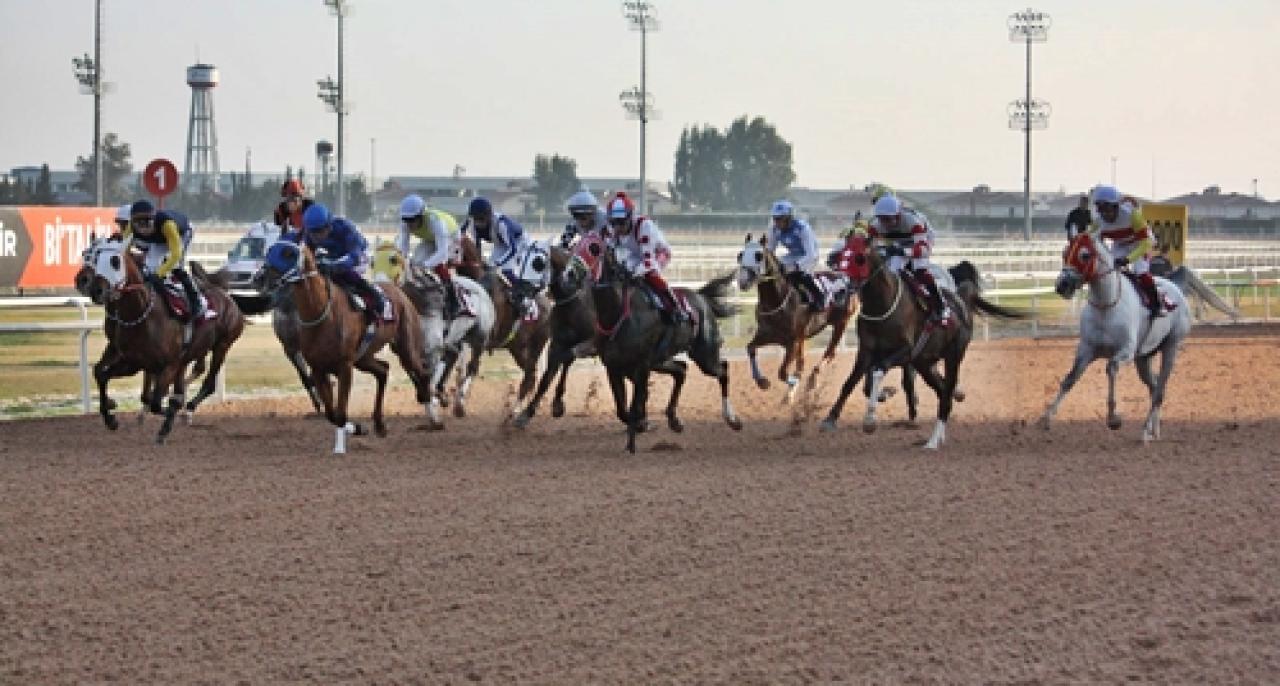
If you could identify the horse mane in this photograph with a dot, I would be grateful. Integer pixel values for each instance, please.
(220, 279)
(717, 292)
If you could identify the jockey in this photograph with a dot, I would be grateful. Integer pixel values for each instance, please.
(343, 254)
(438, 243)
(1078, 219)
(163, 238)
(857, 227)
(122, 219)
(802, 251)
(509, 245)
(288, 214)
(1121, 221)
(647, 250)
(898, 230)
(587, 216)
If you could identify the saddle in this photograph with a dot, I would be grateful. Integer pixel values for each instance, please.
(682, 301)
(358, 304)
(175, 301)
(834, 287)
(1144, 297)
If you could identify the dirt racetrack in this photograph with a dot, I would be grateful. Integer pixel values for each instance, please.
(244, 552)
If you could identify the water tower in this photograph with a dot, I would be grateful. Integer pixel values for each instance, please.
(201, 170)
(324, 162)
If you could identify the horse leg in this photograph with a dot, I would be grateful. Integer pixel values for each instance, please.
(951, 376)
(378, 369)
(761, 382)
(1168, 355)
(1113, 371)
(171, 376)
(639, 398)
(339, 419)
(909, 389)
(850, 383)
(828, 355)
(218, 358)
(618, 385)
(1084, 356)
(300, 366)
(873, 399)
(472, 369)
(557, 403)
(726, 407)
(103, 372)
(324, 389)
(676, 369)
(788, 354)
(559, 358)
(793, 379)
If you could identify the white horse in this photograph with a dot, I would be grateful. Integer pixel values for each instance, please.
(446, 343)
(1116, 325)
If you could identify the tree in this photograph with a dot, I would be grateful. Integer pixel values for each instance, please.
(359, 201)
(116, 168)
(743, 169)
(555, 179)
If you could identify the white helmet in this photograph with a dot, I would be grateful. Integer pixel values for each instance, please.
(782, 208)
(1106, 194)
(122, 212)
(582, 201)
(412, 206)
(888, 206)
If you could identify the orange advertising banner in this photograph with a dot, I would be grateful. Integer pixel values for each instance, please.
(40, 247)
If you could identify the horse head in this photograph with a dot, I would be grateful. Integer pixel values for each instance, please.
(286, 262)
(388, 264)
(587, 255)
(858, 260)
(534, 270)
(112, 270)
(753, 264)
(1080, 263)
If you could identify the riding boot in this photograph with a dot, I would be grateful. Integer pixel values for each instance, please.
(939, 313)
(451, 303)
(193, 296)
(678, 315)
(816, 297)
(376, 302)
(1153, 295)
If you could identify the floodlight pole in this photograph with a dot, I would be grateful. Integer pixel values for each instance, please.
(1028, 26)
(88, 72)
(339, 9)
(640, 14)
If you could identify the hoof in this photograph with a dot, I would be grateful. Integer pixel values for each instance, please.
(187, 417)
(734, 423)
(160, 439)
(958, 396)
(435, 426)
(869, 427)
(1044, 423)
(762, 383)
(674, 423)
(828, 425)
(444, 397)
(111, 422)
(557, 408)
(521, 420)
(358, 430)
(1114, 423)
(645, 427)
(458, 409)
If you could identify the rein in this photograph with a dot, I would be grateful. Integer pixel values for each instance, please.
(1119, 291)
(328, 304)
(897, 297)
(151, 303)
(626, 314)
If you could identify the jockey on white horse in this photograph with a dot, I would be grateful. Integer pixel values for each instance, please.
(439, 244)
(906, 234)
(1122, 223)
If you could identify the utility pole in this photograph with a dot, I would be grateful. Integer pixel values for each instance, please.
(334, 95)
(638, 102)
(88, 71)
(1028, 26)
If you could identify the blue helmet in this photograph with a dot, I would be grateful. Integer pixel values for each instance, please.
(316, 218)
(143, 207)
(479, 207)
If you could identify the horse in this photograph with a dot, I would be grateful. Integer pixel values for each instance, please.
(783, 319)
(144, 337)
(635, 338)
(893, 329)
(444, 343)
(1118, 326)
(523, 337)
(573, 321)
(334, 339)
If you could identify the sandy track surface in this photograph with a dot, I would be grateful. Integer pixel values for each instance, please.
(244, 552)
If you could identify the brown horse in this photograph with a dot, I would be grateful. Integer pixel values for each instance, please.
(144, 337)
(893, 329)
(333, 338)
(783, 318)
(523, 339)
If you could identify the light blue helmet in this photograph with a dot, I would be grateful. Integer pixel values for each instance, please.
(412, 206)
(782, 208)
(1106, 195)
(888, 206)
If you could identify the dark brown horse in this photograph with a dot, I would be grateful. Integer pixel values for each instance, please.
(634, 339)
(783, 318)
(893, 329)
(334, 339)
(145, 337)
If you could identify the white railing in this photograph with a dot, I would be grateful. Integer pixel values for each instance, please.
(84, 327)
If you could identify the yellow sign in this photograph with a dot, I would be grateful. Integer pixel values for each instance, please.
(1169, 230)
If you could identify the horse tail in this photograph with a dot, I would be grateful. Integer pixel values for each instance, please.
(717, 292)
(1189, 282)
(969, 294)
(220, 279)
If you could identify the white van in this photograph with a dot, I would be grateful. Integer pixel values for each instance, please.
(246, 258)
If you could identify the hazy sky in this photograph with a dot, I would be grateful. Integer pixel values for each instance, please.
(910, 92)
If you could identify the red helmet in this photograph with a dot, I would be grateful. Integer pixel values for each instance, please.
(292, 187)
(620, 207)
